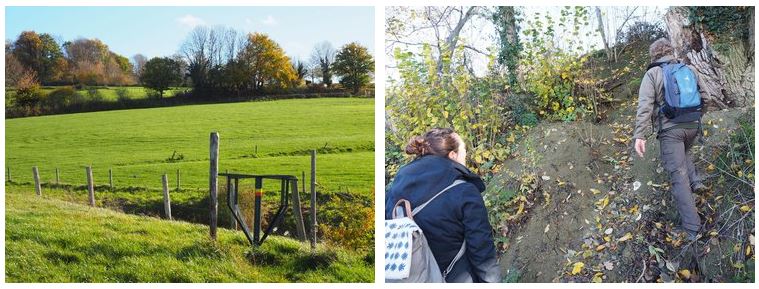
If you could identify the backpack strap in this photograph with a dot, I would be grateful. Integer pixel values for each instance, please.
(455, 259)
(420, 207)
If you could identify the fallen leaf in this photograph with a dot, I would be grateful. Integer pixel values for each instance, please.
(636, 185)
(600, 248)
(684, 273)
(598, 278)
(626, 237)
(577, 268)
(745, 208)
(545, 178)
(609, 265)
(751, 239)
(548, 227)
(595, 191)
(608, 231)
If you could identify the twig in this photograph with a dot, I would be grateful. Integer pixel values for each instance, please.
(729, 174)
(642, 272)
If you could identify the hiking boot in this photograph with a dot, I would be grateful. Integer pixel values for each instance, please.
(689, 235)
(699, 188)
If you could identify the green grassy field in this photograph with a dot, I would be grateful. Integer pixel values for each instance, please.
(138, 144)
(49, 240)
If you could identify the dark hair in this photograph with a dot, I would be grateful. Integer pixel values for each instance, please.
(438, 141)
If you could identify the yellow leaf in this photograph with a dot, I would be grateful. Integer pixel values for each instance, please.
(710, 167)
(600, 248)
(598, 278)
(577, 268)
(685, 274)
(745, 208)
(626, 237)
(748, 250)
(595, 191)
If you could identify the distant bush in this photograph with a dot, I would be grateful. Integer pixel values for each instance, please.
(122, 94)
(60, 98)
(642, 31)
(28, 93)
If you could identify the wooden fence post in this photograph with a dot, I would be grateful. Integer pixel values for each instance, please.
(110, 178)
(57, 177)
(178, 180)
(37, 185)
(10, 179)
(299, 226)
(313, 200)
(166, 199)
(90, 186)
(214, 182)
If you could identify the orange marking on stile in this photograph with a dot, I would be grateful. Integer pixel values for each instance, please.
(259, 193)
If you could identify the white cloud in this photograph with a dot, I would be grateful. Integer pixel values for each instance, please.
(190, 21)
(269, 21)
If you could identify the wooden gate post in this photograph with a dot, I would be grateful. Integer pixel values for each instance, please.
(110, 178)
(299, 226)
(90, 186)
(178, 180)
(313, 200)
(214, 182)
(37, 185)
(166, 199)
(57, 177)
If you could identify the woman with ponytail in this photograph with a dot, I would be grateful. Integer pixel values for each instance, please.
(455, 216)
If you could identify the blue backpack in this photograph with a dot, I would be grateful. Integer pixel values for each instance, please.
(682, 102)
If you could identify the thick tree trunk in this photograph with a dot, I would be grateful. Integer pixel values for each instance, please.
(728, 79)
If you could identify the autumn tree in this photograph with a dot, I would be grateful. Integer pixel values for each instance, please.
(160, 74)
(354, 65)
(138, 63)
(266, 63)
(40, 53)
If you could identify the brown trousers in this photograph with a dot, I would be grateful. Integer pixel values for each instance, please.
(675, 146)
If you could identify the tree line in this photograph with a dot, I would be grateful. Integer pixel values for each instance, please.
(215, 62)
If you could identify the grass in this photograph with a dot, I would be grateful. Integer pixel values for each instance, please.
(140, 145)
(49, 240)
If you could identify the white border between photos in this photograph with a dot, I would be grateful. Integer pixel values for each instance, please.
(379, 118)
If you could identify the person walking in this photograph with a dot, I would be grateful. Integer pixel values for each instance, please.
(666, 91)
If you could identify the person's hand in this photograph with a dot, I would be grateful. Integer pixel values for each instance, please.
(640, 146)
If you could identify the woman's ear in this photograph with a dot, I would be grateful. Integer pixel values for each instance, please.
(453, 155)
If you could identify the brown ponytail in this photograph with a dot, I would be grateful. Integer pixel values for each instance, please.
(438, 141)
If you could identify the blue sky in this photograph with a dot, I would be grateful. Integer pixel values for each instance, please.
(159, 31)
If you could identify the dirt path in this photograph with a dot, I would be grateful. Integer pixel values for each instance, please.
(595, 212)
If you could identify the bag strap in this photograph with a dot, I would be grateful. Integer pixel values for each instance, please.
(420, 207)
(402, 206)
(455, 259)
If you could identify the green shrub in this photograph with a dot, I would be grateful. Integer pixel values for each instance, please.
(555, 75)
(60, 98)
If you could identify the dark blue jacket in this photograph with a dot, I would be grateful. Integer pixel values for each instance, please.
(458, 214)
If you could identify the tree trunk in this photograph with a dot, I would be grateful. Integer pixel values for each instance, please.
(728, 79)
(603, 34)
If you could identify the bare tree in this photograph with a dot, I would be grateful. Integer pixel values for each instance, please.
(139, 61)
(439, 27)
(323, 56)
(195, 51)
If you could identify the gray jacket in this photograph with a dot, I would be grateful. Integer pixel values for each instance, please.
(651, 97)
